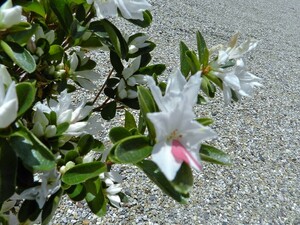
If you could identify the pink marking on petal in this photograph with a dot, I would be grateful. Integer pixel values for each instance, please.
(182, 154)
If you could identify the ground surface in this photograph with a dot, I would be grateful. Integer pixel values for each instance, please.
(261, 134)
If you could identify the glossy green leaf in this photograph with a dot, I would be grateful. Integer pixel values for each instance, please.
(215, 79)
(8, 170)
(19, 55)
(184, 63)
(205, 121)
(63, 13)
(34, 154)
(184, 180)
(109, 110)
(71, 156)
(76, 192)
(116, 62)
(214, 155)
(82, 172)
(143, 23)
(118, 133)
(29, 211)
(202, 50)
(34, 6)
(154, 174)
(85, 144)
(193, 61)
(129, 121)
(133, 149)
(208, 87)
(26, 96)
(51, 206)
(22, 37)
(95, 197)
(56, 52)
(147, 105)
(153, 69)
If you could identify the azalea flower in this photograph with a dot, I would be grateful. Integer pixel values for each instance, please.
(84, 78)
(129, 79)
(9, 15)
(235, 77)
(8, 99)
(49, 185)
(178, 135)
(112, 181)
(136, 42)
(176, 87)
(129, 9)
(64, 113)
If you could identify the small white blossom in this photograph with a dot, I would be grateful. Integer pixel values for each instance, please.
(9, 15)
(129, 9)
(8, 99)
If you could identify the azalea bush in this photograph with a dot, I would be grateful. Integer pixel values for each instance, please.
(47, 149)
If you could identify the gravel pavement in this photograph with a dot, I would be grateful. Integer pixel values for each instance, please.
(261, 134)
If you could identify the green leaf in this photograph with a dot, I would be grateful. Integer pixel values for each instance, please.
(26, 96)
(214, 155)
(205, 121)
(143, 23)
(202, 50)
(19, 55)
(147, 105)
(34, 154)
(71, 156)
(95, 197)
(153, 69)
(193, 61)
(133, 149)
(154, 174)
(29, 211)
(129, 121)
(63, 13)
(8, 170)
(184, 63)
(215, 79)
(183, 181)
(51, 206)
(22, 37)
(35, 7)
(56, 52)
(118, 133)
(85, 144)
(82, 172)
(76, 192)
(208, 87)
(109, 110)
(116, 62)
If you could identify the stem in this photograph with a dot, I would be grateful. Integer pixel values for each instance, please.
(101, 106)
(102, 88)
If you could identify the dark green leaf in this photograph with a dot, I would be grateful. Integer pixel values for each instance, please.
(116, 62)
(193, 61)
(109, 110)
(71, 156)
(34, 6)
(112, 82)
(133, 149)
(208, 87)
(147, 105)
(95, 196)
(153, 69)
(202, 50)
(214, 155)
(63, 13)
(29, 211)
(184, 64)
(76, 192)
(143, 23)
(81, 173)
(51, 206)
(129, 121)
(22, 37)
(26, 96)
(8, 170)
(183, 181)
(33, 153)
(85, 144)
(118, 133)
(56, 52)
(152, 171)
(19, 55)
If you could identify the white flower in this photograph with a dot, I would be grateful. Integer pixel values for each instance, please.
(9, 15)
(239, 80)
(50, 184)
(85, 78)
(112, 180)
(130, 79)
(139, 41)
(64, 113)
(8, 99)
(178, 136)
(129, 9)
(176, 86)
